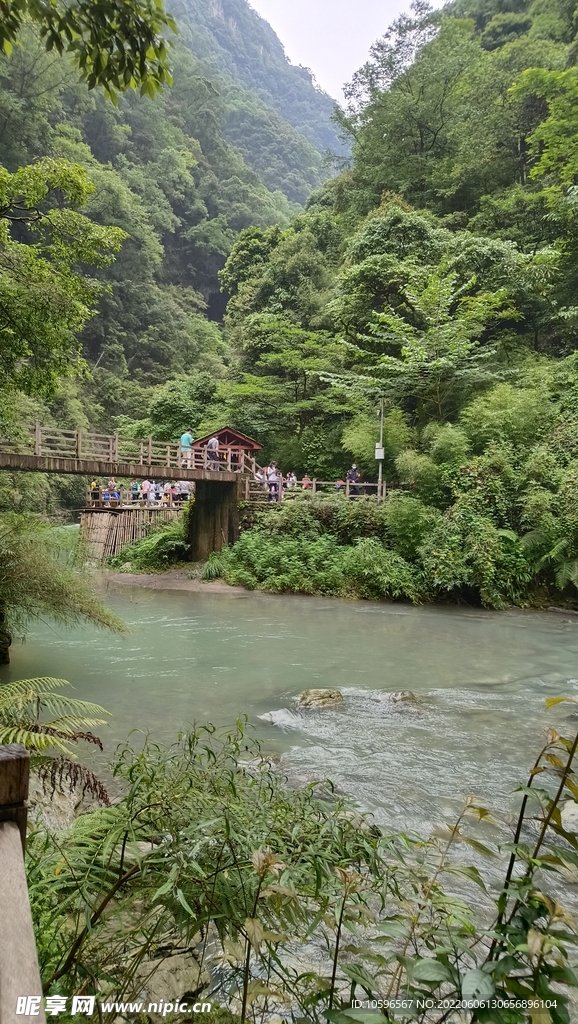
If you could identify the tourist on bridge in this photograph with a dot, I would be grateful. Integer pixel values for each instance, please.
(306, 482)
(184, 491)
(145, 488)
(291, 480)
(353, 476)
(111, 485)
(134, 490)
(213, 454)
(186, 448)
(94, 490)
(273, 481)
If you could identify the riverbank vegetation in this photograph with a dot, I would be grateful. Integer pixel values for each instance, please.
(41, 575)
(285, 903)
(163, 548)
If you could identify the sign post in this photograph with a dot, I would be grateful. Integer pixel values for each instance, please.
(379, 453)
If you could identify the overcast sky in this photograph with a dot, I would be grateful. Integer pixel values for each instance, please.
(332, 37)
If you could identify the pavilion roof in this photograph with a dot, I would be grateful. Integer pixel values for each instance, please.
(229, 437)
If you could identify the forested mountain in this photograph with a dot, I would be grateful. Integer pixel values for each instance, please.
(234, 41)
(180, 174)
(438, 272)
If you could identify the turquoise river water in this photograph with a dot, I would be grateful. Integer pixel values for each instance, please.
(482, 678)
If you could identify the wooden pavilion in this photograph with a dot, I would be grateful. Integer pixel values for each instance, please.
(233, 439)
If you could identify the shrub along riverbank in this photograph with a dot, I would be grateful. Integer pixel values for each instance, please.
(290, 906)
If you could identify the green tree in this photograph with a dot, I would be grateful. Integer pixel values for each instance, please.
(37, 579)
(554, 142)
(114, 43)
(44, 298)
(441, 356)
(180, 404)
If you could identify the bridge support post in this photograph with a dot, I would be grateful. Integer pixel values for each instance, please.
(214, 519)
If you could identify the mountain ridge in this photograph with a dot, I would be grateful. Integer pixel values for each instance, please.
(234, 40)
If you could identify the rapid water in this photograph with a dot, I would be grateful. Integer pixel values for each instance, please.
(482, 678)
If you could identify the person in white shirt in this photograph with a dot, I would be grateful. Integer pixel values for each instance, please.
(213, 454)
(273, 482)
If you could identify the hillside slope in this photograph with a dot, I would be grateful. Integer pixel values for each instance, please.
(234, 40)
(276, 117)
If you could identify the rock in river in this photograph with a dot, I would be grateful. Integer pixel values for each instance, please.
(569, 816)
(170, 979)
(399, 695)
(319, 698)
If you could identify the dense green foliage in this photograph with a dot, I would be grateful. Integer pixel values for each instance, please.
(236, 142)
(296, 905)
(237, 44)
(39, 577)
(115, 43)
(162, 547)
(437, 274)
(403, 549)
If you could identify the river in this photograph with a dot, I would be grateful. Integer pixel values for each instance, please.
(481, 679)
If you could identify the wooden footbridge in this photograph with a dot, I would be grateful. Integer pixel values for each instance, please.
(49, 450)
(221, 479)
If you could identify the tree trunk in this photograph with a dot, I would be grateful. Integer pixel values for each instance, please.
(5, 637)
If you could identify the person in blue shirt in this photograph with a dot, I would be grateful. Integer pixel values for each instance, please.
(186, 449)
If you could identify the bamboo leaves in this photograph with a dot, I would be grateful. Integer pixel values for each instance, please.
(309, 911)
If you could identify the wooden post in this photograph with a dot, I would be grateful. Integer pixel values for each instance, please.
(141, 453)
(347, 488)
(314, 486)
(14, 774)
(79, 444)
(229, 459)
(150, 451)
(19, 974)
(115, 456)
(37, 439)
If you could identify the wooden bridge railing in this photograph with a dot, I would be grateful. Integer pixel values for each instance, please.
(81, 445)
(20, 987)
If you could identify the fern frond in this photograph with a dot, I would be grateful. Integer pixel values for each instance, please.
(567, 572)
(23, 687)
(22, 703)
(32, 740)
(534, 539)
(72, 723)
(554, 554)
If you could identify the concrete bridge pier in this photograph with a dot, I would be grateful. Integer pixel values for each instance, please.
(214, 519)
